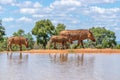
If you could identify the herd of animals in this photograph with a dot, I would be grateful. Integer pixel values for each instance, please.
(65, 36)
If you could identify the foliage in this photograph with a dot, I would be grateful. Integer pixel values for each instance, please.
(89, 44)
(2, 31)
(104, 38)
(20, 32)
(73, 46)
(30, 39)
(43, 29)
(3, 44)
(118, 46)
(59, 28)
(3, 39)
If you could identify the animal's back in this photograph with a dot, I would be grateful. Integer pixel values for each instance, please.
(59, 38)
(16, 40)
(76, 34)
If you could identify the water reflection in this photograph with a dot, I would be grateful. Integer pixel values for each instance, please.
(59, 57)
(22, 66)
(17, 57)
(10, 54)
(80, 59)
(62, 58)
(76, 65)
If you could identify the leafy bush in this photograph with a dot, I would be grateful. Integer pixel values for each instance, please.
(118, 46)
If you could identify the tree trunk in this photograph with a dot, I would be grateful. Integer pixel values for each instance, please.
(44, 44)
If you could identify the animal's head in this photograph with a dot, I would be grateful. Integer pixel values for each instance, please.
(27, 42)
(91, 36)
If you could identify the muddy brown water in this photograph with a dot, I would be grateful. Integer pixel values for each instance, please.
(25, 66)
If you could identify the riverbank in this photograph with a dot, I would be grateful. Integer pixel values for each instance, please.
(88, 50)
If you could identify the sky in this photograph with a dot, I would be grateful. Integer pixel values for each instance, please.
(75, 14)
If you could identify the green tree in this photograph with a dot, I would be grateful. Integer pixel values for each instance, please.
(2, 31)
(30, 39)
(104, 38)
(20, 32)
(3, 42)
(43, 29)
(59, 28)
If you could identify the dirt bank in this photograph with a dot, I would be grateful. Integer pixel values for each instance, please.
(88, 50)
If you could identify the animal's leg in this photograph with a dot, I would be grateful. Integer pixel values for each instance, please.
(62, 45)
(11, 55)
(20, 47)
(55, 45)
(20, 55)
(65, 44)
(66, 47)
(77, 44)
(82, 43)
(10, 46)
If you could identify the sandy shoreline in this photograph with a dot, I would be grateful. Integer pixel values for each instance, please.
(88, 50)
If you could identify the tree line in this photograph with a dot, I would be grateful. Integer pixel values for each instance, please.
(44, 29)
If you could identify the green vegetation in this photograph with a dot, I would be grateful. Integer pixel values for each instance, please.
(104, 38)
(2, 38)
(30, 39)
(59, 28)
(3, 44)
(20, 32)
(44, 29)
(2, 31)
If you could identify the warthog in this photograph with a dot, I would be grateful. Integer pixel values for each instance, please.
(18, 40)
(58, 39)
(79, 35)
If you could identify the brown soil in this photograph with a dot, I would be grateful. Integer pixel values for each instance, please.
(88, 50)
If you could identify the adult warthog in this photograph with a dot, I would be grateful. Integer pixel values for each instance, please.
(58, 39)
(79, 35)
(18, 40)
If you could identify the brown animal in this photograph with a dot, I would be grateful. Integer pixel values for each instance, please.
(79, 35)
(59, 39)
(18, 40)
